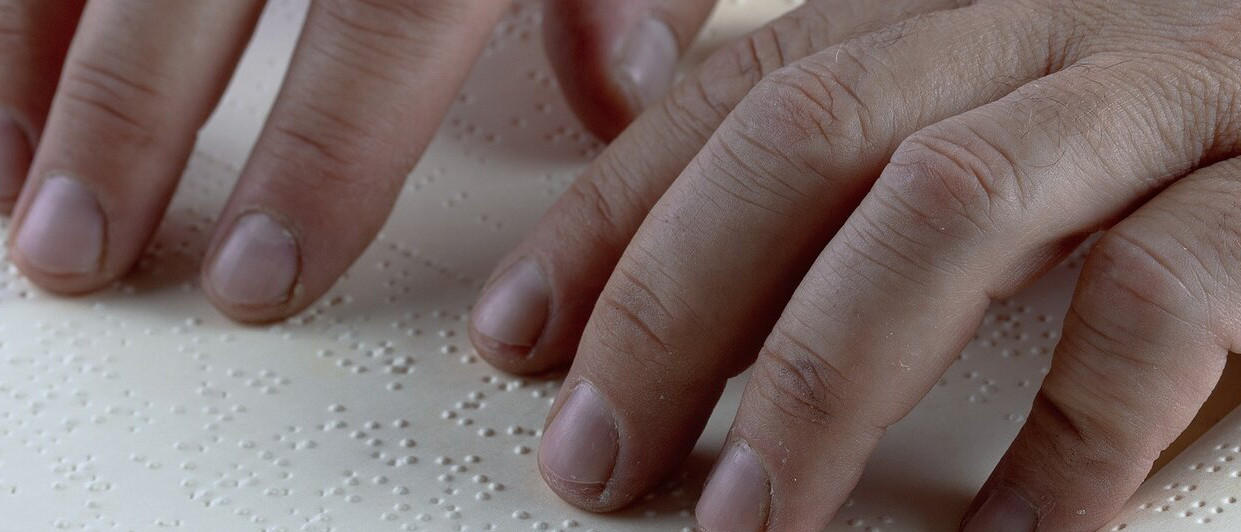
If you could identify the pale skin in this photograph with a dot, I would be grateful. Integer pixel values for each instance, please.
(833, 201)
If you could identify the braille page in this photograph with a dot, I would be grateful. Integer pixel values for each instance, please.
(141, 408)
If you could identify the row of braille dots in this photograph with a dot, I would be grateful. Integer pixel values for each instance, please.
(1226, 454)
(1005, 322)
(509, 385)
(12, 284)
(518, 26)
(387, 356)
(407, 252)
(1200, 510)
(448, 510)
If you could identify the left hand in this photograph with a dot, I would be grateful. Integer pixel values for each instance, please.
(844, 223)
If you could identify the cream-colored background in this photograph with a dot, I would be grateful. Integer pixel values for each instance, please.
(142, 409)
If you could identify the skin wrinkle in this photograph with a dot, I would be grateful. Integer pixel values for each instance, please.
(601, 208)
(835, 379)
(794, 392)
(1094, 127)
(1101, 419)
(753, 143)
(105, 90)
(1122, 270)
(769, 179)
(653, 329)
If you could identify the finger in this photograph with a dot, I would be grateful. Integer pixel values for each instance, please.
(616, 57)
(719, 254)
(138, 83)
(337, 146)
(34, 35)
(1144, 342)
(968, 209)
(531, 315)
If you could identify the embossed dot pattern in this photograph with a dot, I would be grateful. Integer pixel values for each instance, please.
(143, 409)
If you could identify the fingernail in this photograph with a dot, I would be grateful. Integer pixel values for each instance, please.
(515, 307)
(646, 62)
(579, 448)
(1004, 511)
(63, 230)
(15, 155)
(257, 264)
(737, 494)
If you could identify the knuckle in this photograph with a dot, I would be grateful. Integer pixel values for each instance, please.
(638, 318)
(809, 106)
(606, 200)
(360, 30)
(794, 382)
(115, 99)
(770, 152)
(391, 18)
(742, 170)
(15, 27)
(953, 180)
(1134, 275)
(730, 73)
(1088, 439)
(325, 135)
(797, 378)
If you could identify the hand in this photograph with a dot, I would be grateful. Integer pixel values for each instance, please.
(104, 125)
(839, 212)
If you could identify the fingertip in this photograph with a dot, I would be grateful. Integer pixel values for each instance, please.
(508, 358)
(613, 59)
(253, 273)
(580, 449)
(1000, 508)
(737, 495)
(510, 323)
(60, 241)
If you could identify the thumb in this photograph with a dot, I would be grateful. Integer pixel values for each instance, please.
(615, 57)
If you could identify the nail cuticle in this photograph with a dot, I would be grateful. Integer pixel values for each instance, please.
(1003, 509)
(258, 263)
(738, 492)
(514, 309)
(581, 444)
(63, 230)
(644, 65)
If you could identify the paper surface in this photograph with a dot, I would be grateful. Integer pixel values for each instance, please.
(141, 408)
